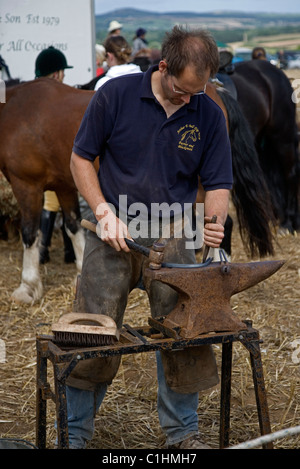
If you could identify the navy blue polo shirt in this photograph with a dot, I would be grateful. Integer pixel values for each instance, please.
(145, 155)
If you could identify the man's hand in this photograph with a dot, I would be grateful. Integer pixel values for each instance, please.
(216, 203)
(111, 229)
(213, 233)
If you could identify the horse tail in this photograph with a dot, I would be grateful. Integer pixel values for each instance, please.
(250, 194)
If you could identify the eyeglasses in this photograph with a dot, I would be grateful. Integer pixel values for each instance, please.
(187, 93)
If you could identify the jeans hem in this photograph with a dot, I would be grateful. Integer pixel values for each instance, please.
(173, 440)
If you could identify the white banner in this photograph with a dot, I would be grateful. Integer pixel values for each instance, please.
(29, 26)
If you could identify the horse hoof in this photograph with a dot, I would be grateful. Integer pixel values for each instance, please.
(23, 294)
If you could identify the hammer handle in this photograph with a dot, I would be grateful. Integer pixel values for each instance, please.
(206, 248)
(131, 244)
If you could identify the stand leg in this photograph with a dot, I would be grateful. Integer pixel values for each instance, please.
(261, 397)
(259, 387)
(61, 412)
(41, 401)
(225, 394)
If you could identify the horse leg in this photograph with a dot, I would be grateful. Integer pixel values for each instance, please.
(279, 157)
(76, 234)
(31, 288)
(71, 216)
(292, 186)
(290, 216)
(69, 254)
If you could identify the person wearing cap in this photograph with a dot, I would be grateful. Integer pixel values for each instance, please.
(140, 50)
(51, 63)
(259, 53)
(114, 28)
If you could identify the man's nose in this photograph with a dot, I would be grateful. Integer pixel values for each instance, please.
(186, 98)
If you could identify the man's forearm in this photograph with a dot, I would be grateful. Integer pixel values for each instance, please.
(86, 180)
(111, 229)
(216, 203)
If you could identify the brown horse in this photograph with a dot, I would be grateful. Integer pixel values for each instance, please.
(37, 127)
(38, 124)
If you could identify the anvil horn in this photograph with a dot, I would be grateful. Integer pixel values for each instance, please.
(204, 294)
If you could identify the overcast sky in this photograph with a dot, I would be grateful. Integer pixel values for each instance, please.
(197, 6)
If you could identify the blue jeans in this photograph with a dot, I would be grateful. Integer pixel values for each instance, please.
(177, 412)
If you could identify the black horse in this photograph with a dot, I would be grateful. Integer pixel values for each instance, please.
(264, 94)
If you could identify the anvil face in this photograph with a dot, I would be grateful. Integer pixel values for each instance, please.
(204, 294)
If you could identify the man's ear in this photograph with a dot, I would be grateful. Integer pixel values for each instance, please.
(162, 66)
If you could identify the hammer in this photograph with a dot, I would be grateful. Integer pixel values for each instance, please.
(155, 254)
(206, 248)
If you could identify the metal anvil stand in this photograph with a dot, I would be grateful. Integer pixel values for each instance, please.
(138, 340)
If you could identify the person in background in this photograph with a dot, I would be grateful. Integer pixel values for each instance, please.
(51, 63)
(259, 53)
(283, 62)
(100, 59)
(118, 54)
(140, 50)
(139, 127)
(114, 28)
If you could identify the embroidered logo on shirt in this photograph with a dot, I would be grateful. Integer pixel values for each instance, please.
(189, 134)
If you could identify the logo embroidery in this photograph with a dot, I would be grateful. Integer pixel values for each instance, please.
(189, 134)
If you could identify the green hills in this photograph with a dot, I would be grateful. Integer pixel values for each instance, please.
(226, 26)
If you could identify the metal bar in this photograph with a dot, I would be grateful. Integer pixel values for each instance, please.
(268, 438)
(41, 403)
(58, 355)
(167, 331)
(64, 370)
(259, 386)
(261, 398)
(61, 411)
(225, 394)
(135, 333)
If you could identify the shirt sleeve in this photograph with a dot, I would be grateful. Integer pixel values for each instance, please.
(94, 129)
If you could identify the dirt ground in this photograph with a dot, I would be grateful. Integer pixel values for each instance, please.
(128, 418)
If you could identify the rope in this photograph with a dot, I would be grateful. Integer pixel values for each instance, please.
(268, 438)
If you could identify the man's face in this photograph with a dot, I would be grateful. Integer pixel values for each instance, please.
(179, 90)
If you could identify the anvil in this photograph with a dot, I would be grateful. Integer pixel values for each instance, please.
(204, 294)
